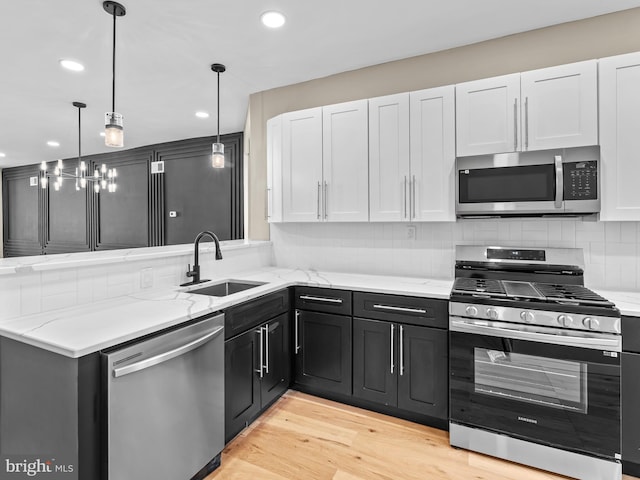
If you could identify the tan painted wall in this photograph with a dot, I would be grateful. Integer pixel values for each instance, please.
(596, 37)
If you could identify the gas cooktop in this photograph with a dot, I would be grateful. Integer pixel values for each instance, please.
(519, 291)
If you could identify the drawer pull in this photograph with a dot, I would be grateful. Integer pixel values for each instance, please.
(320, 299)
(400, 309)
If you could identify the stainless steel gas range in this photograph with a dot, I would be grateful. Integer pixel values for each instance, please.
(534, 362)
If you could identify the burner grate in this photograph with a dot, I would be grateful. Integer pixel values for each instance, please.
(481, 286)
(571, 293)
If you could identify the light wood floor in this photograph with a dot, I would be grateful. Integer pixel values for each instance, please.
(302, 437)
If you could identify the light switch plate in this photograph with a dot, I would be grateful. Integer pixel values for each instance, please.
(33, 181)
(157, 167)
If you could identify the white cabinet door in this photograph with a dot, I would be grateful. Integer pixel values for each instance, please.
(274, 169)
(560, 106)
(345, 162)
(301, 165)
(488, 116)
(620, 137)
(389, 158)
(432, 182)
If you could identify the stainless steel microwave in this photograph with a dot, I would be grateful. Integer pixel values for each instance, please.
(549, 182)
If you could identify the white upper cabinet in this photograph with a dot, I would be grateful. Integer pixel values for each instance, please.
(302, 165)
(345, 162)
(560, 106)
(555, 107)
(389, 173)
(620, 137)
(274, 169)
(432, 155)
(488, 116)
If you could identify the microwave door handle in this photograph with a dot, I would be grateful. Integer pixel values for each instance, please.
(559, 181)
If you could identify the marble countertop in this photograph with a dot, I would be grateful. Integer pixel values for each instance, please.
(627, 302)
(85, 329)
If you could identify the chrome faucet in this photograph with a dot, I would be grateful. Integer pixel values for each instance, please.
(195, 273)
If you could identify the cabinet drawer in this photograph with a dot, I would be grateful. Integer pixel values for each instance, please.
(631, 334)
(254, 312)
(396, 308)
(326, 300)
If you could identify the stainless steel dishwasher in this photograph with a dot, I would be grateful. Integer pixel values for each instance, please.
(165, 404)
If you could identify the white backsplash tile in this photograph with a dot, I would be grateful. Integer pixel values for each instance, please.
(383, 248)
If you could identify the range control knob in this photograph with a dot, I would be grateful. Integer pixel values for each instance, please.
(591, 323)
(471, 311)
(527, 316)
(565, 320)
(492, 313)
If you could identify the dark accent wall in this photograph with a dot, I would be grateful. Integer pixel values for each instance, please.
(39, 221)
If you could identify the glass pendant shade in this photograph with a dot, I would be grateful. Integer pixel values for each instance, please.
(217, 155)
(113, 130)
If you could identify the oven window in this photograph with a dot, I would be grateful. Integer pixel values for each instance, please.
(526, 378)
(530, 183)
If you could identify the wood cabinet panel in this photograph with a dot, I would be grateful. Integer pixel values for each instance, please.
(323, 353)
(619, 139)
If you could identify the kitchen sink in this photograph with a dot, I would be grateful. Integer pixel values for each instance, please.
(228, 287)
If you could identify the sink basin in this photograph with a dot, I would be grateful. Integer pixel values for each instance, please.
(229, 287)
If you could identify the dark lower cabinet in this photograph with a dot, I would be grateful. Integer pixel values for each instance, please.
(630, 413)
(630, 366)
(423, 377)
(257, 371)
(323, 351)
(403, 366)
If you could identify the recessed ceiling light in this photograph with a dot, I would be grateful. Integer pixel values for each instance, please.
(53, 143)
(272, 19)
(72, 65)
(202, 115)
(2, 155)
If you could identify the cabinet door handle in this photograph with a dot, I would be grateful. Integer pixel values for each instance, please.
(320, 299)
(413, 198)
(261, 355)
(515, 124)
(392, 342)
(318, 204)
(324, 199)
(399, 309)
(266, 348)
(526, 123)
(268, 206)
(401, 350)
(297, 320)
(404, 194)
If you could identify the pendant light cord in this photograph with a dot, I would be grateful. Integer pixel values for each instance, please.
(79, 137)
(218, 107)
(113, 66)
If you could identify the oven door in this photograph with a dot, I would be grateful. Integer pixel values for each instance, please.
(565, 396)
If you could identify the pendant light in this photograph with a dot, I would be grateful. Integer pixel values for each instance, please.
(104, 179)
(217, 152)
(113, 129)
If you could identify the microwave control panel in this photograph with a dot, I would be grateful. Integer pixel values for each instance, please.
(580, 180)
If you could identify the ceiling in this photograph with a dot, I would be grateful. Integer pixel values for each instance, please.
(165, 49)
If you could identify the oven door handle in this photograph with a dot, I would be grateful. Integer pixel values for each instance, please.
(505, 330)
